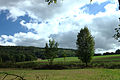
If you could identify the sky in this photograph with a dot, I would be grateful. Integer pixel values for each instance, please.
(34, 22)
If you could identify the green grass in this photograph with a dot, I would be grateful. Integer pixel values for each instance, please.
(76, 74)
(95, 58)
(107, 58)
(61, 59)
(75, 59)
(108, 61)
(72, 74)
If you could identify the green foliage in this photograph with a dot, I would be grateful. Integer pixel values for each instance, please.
(51, 50)
(5, 57)
(17, 54)
(64, 55)
(117, 34)
(23, 53)
(0, 59)
(51, 1)
(85, 44)
(66, 52)
(117, 51)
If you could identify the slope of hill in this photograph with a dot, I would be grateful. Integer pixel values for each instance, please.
(30, 53)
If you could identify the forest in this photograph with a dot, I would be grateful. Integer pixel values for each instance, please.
(24, 53)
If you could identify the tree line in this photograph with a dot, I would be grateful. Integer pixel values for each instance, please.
(112, 53)
(24, 53)
(108, 53)
(16, 54)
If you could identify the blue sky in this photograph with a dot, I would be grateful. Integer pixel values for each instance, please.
(95, 7)
(33, 24)
(10, 27)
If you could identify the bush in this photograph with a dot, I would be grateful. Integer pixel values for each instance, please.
(97, 54)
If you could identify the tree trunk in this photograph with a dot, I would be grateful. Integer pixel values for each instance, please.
(64, 59)
(50, 61)
(86, 64)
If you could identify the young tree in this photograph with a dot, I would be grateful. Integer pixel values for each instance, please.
(85, 46)
(51, 50)
(64, 55)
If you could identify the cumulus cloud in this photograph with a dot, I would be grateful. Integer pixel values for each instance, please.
(39, 9)
(22, 39)
(31, 42)
(66, 39)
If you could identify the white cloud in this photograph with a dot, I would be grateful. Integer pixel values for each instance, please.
(101, 1)
(23, 39)
(39, 9)
(4, 40)
(15, 13)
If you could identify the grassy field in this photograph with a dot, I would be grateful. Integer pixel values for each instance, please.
(108, 58)
(107, 61)
(95, 58)
(94, 73)
(76, 74)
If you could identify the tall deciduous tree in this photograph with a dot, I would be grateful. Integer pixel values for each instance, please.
(85, 45)
(51, 50)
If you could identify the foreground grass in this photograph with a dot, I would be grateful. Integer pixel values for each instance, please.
(73, 74)
(76, 74)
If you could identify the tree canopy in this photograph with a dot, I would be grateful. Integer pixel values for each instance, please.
(51, 1)
(51, 50)
(85, 45)
(17, 54)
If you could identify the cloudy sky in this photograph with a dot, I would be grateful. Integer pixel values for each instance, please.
(33, 22)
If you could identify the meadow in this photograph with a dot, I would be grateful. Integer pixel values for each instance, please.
(89, 73)
(106, 61)
(104, 58)
(74, 74)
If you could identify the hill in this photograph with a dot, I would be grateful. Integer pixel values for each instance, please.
(30, 53)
